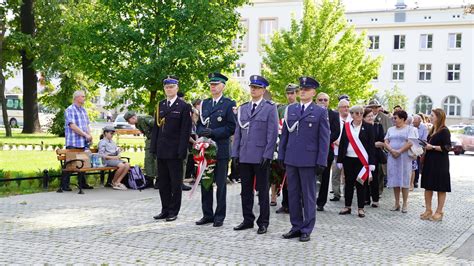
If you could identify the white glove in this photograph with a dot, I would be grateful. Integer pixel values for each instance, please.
(372, 167)
(339, 166)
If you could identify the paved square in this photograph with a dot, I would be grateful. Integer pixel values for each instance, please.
(107, 226)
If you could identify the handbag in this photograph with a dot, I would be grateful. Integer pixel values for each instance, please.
(414, 152)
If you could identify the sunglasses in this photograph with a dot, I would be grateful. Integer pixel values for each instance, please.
(323, 100)
(356, 113)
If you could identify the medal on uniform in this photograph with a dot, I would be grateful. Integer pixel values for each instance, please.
(219, 119)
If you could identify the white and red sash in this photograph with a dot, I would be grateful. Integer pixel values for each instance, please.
(361, 153)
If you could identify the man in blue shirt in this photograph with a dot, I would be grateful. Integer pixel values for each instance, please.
(77, 133)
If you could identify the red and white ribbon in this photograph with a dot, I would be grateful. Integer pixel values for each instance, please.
(361, 154)
(202, 163)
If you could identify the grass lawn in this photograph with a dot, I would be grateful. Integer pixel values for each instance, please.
(50, 139)
(37, 161)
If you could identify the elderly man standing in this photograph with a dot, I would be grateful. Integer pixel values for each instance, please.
(254, 143)
(422, 134)
(303, 149)
(78, 134)
(322, 100)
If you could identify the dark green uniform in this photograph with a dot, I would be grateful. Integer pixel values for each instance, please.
(145, 125)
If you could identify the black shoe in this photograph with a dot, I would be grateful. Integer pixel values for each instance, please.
(304, 237)
(185, 187)
(243, 226)
(218, 224)
(262, 230)
(155, 186)
(171, 218)
(346, 211)
(160, 216)
(292, 234)
(66, 189)
(86, 186)
(332, 192)
(204, 220)
(282, 210)
(334, 199)
(416, 185)
(320, 208)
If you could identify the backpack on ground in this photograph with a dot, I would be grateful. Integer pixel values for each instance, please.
(136, 179)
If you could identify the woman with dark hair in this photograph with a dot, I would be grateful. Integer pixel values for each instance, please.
(356, 155)
(372, 187)
(399, 163)
(435, 175)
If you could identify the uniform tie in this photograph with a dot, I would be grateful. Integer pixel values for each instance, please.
(253, 108)
(302, 108)
(214, 103)
(169, 104)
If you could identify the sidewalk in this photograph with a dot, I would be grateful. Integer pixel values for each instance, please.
(107, 226)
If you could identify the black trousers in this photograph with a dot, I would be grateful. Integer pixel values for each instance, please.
(170, 179)
(352, 168)
(284, 191)
(323, 189)
(248, 172)
(66, 178)
(372, 188)
(220, 176)
(418, 170)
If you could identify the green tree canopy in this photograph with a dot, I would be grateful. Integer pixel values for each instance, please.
(133, 45)
(322, 46)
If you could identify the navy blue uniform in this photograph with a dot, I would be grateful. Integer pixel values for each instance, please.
(220, 119)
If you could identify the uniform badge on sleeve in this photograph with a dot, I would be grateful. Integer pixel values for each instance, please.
(219, 119)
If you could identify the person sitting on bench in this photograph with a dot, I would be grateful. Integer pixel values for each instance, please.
(109, 151)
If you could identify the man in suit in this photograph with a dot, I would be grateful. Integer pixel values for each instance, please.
(292, 91)
(254, 143)
(217, 121)
(303, 149)
(322, 100)
(169, 143)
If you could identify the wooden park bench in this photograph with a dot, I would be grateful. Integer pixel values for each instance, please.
(126, 131)
(81, 170)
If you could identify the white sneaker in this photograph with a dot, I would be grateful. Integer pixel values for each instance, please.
(118, 187)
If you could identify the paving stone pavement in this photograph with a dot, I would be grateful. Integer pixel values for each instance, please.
(116, 227)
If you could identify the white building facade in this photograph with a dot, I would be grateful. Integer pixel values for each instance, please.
(427, 52)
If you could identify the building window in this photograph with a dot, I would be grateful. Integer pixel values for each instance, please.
(426, 41)
(399, 42)
(454, 72)
(454, 40)
(241, 43)
(472, 108)
(267, 27)
(398, 72)
(452, 106)
(374, 42)
(424, 72)
(423, 104)
(239, 71)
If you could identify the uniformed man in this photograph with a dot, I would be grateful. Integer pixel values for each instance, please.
(252, 150)
(291, 97)
(217, 121)
(169, 142)
(303, 149)
(145, 123)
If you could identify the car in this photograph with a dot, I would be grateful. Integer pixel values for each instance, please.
(463, 142)
(121, 123)
(456, 128)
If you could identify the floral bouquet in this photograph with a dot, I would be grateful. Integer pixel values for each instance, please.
(204, 154)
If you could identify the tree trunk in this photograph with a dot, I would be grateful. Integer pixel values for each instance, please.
(30, 91)
(8, 130)
(153, 102)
